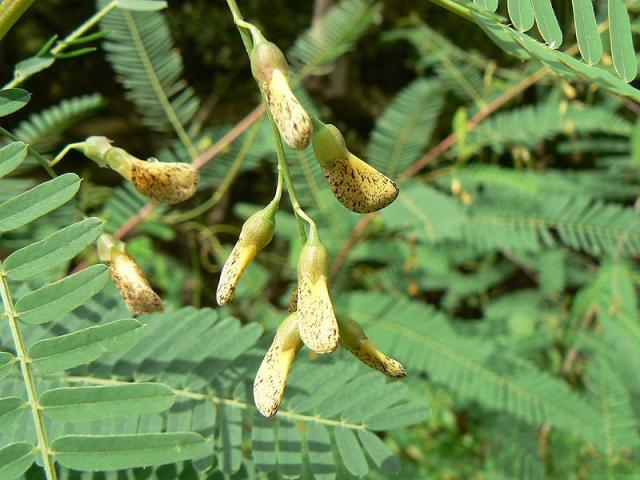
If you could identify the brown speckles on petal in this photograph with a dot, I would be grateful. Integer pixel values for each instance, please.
(133, 286)
(169, 182)
(291, 118)
(359, 186)
(316, 319)
(369, 355)
(269, 385)
(234, 267)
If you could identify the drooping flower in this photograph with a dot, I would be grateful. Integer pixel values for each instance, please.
(256, 234)
(316, 319)
(172, 182)
(128, 277)
(353, 338)
(356, 184)
(270, 70)
(270, 381)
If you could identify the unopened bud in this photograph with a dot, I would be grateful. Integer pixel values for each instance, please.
(172, 182)
(353, 338)
(356, 184)
(256, 234)
(269, 68)
(128, 277)
(270, 382)
(316, 318)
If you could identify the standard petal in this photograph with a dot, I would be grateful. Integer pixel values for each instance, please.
(170, 182)
(316, 319)
(133, 286)
(234, 267)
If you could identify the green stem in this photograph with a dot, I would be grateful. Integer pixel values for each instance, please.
(455, 8)
(68, 40)
(28, 378)
(283, 167)
(10, 12)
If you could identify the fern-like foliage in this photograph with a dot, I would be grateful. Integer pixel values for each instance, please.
(472, 367)
(141, 51)
(42, 130)
(208, 360)
(405, 127)
(337, 32)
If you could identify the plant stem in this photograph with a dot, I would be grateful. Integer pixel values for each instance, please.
(64, 43)
(10, 12)
(28, 378)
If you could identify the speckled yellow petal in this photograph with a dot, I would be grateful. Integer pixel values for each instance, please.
(234, 267)
(353, 338)
(270, 382)
(316, 318)
(133, 286)
(170, 182)
(291, 118)
(359, 186)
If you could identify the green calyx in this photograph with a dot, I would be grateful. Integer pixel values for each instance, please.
(265, 58)
(328, 144)
(259, 228)
(351, 333)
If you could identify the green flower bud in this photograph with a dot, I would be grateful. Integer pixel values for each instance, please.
(256, 234)
(316, 318)
(356, 184)
(270, 382)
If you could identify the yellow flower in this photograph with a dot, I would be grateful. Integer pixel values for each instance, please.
(128, 277)
(356, 184)
(172, 182)
(256, 233)
(270, 382)
(353, 338)
(270, 70)
(316, 319)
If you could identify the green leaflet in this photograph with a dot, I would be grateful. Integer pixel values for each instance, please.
(7, 361)
(624, 58)
(38, 201)
(547, 22)
(53, 250)
(11, 156)
(141, 5)
(351, 452)
(85, 404)
(11, 408)
(116, 452)
(52, 301)
(83, 346)
(15, 459)
(521, 14)
(587, 31)
(12, 100)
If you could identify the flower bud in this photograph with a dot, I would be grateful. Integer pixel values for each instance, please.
(316, 318)
(270, 382)
(128, 277)
(356, 184)
(353, 338)
(256, 234)
(173, 182)
(269, 68)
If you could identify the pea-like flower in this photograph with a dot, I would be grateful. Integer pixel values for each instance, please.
(270, 381)
(270, 70)
(256, 234)
(356, 184)
(353, 338)
(172, 182)
(128, 277)
(316, 319)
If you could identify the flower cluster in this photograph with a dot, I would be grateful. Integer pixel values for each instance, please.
(312, 320)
